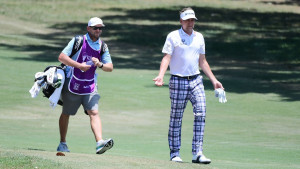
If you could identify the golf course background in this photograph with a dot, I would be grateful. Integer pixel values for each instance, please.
(252, 47)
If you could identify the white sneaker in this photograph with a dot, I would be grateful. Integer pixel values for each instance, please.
(201, 159)
(105, 145)
(177, 159)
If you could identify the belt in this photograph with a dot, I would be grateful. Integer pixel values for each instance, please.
(187, 77)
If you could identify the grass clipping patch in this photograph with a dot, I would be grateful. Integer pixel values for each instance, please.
(14, 160)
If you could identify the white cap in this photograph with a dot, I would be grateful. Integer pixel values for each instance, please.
(188, 14)
(95, 21)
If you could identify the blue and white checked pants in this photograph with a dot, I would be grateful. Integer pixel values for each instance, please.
(182, 90)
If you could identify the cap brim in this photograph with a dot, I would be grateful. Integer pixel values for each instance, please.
(188, 17)
(97, 24)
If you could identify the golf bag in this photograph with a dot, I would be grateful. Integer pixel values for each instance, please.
(52, 82)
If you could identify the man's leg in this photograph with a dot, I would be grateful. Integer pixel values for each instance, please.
(63, 126)
(101, 145)
(174, 136)
(179, 97)
(199, 108)
(95, 124)
(198, 131)
(199, 105)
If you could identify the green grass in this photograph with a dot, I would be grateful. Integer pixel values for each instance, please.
(256, 59)
(16, 160)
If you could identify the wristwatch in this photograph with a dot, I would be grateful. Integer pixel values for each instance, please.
(101, 65)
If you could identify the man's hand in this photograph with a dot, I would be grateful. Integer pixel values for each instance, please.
(159, 81)
(217, 85)
(84, 67)
(96, 61)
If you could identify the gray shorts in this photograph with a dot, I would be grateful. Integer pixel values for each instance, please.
(72, 102)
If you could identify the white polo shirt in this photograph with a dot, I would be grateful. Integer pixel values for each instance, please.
(185, 51)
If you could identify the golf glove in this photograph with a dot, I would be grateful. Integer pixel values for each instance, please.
(220, 93)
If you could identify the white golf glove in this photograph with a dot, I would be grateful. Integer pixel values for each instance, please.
(220, 93)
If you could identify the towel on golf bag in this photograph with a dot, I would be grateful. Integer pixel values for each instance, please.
(51, 81)
(35, 89)
(220, 93)
(56, 95)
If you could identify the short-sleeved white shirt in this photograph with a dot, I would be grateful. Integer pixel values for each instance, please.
(185, 51)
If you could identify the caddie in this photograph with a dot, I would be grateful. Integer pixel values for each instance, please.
(184, 52)
(80, 87)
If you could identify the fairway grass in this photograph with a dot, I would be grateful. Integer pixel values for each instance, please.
(257, 128)
(43, 159)
(246, 132)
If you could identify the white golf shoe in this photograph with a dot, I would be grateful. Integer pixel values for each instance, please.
(201, 159)
(105, 145)
(177, 159)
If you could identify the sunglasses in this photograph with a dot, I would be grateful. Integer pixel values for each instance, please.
(95, 28)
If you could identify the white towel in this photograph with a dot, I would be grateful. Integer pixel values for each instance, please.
(35, 89)
(54, 98)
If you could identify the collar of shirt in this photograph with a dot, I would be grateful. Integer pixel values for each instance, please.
(97, 42)
(185, 34)
(185, 38)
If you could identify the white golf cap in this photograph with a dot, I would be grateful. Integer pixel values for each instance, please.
(95, 21)
(188, 14)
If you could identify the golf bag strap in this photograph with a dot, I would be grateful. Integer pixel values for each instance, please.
(103, 47)
(77, 44)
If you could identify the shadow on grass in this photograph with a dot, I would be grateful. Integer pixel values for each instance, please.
(286, 2)
(36, 149)
(248, 51)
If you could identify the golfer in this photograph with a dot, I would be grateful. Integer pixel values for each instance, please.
(80, 87)
(184, 51)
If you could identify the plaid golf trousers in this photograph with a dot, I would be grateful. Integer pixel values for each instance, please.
(182, 90)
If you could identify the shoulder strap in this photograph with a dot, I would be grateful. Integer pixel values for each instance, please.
(77, 44)
(103, 48)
